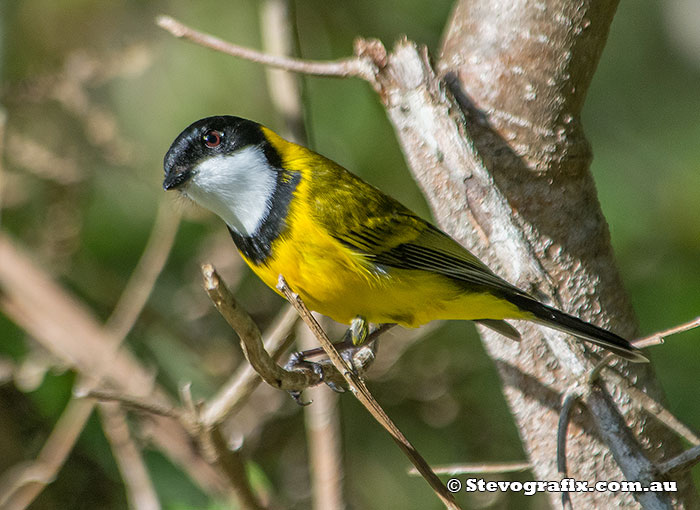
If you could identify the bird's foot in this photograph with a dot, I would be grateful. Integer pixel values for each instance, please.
(298, 361)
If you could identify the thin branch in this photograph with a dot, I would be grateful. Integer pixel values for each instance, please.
(18, 488)
(30, 293)
(146, 405)
(143, 277)
(623, 445)
(361, 392)
(643, 399)
(251, 338)
(231, 463)
(567, 405)
(139, 488)
(658, 338)
(478, 468)
(324, 439)
(682, 462)
(354, 66)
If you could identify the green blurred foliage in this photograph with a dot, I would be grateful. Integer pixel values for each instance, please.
(641, 117)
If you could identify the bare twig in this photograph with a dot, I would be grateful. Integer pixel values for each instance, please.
(142, 404)
(147, 270)
(682, 462)
(644, 400)
(365, 397)
(564, 416)
(19, 487)
(658, 338)
(323, 439)
(354, 66)
(478, 468)
(251, 338)
(69, 331)
(139, 488)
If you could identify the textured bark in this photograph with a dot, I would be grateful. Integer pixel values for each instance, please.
(494, 140)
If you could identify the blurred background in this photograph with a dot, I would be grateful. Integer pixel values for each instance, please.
(94, 94)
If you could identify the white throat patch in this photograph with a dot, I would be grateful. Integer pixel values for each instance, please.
(237, 187)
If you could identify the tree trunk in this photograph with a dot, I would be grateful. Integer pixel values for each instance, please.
(494, 139)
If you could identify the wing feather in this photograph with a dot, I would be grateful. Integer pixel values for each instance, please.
(386, 233)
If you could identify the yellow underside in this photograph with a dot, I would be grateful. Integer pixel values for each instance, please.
(340, 284)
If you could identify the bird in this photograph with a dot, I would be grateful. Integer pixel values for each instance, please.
(350, 251)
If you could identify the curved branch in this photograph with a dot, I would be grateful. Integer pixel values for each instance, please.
(354, 66)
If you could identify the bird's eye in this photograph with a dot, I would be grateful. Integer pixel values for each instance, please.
(212, 138)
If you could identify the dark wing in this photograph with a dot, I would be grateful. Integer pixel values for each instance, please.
(386, 233)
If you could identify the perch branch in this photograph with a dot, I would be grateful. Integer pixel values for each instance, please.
(251, 338)
(361, 392)
(251, 343)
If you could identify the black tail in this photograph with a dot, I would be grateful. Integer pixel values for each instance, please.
(556, 319)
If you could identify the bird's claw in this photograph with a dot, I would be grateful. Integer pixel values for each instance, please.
(296, 360)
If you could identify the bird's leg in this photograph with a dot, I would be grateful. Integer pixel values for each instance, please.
(358, 331)
(355, 335)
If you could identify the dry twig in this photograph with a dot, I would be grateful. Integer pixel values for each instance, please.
(358, 388)
(139, 489)
(478, 468)
(251, 343)
(682, 462)
(67, 330)
(567, 406)
(343, 68)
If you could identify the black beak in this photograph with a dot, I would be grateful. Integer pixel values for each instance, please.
(175, 178)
